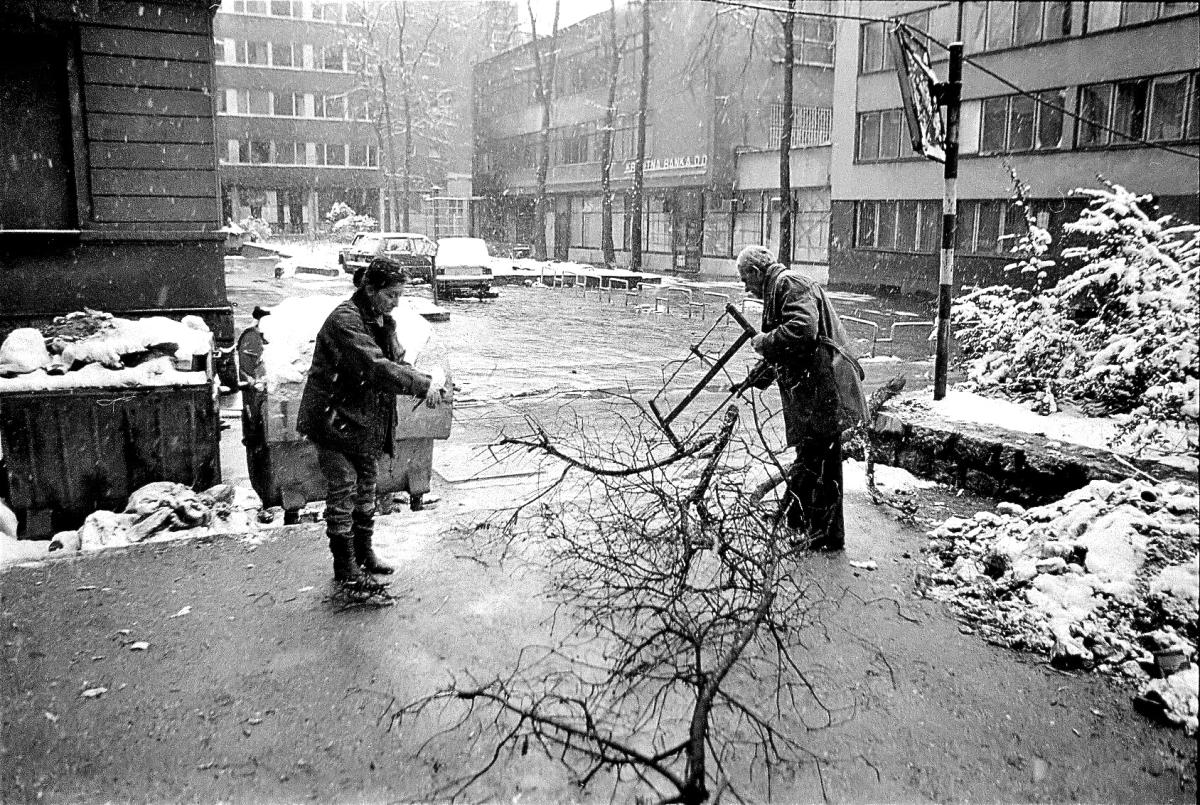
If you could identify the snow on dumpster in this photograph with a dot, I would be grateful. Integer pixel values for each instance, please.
(111, 404)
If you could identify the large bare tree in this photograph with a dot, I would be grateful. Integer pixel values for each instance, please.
(636, 194)
(606, 142)
(788, 23)
(545, 67)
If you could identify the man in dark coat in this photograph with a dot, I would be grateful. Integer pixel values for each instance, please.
(349, 412)
(795, 357)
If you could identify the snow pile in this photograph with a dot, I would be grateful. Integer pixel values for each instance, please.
(962, 405)
(1106, 578)
(91, 349)
(164, 510)
(1117, 334)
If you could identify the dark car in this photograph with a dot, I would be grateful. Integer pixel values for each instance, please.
(412, 251)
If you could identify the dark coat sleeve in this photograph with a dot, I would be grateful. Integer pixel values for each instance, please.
(357, 350)
(799, 320)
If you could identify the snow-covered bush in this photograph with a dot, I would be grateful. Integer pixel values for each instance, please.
(256, 228)
(352, 224)
(338, 211)
(1118, 334)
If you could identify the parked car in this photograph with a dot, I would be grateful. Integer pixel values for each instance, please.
(412, 251)
(463, 268)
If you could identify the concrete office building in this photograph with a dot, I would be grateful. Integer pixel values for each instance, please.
(713, 124)
(1129, 66)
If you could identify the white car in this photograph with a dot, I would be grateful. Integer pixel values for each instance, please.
(463, 267)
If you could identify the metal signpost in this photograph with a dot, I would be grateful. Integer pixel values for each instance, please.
(923, 94)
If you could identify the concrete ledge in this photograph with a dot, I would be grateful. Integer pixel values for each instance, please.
(319, 270)
(1021, 467)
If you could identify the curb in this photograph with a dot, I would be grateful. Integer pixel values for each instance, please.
(1024, 468)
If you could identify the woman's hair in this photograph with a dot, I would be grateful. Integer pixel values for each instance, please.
(380, 274)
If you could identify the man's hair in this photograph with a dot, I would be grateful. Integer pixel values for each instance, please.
(381, 274)
(756, 257)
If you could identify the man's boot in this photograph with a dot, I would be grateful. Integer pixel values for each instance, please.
(345, 568)
(366, 557)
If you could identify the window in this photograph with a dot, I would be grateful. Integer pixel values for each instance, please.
(871, 56)
(1133, 13)
(990, 219)
(1000, 25)
(889, 134)
(283, 54)
(1028, 24)
(815, 45)
(334, 107)
(974, 14)
(929, 238)
(219, 50)
(868, 136)
(994, 125)
(288, 152)
(1094, 104)
(1103, 14)
(285, 104)
(333, 57)
(747, 220)
(255, 7)
(1050, 129)
(1019, 123)
(328, 10)
(1141, 108)
(1022, 112)
(811, 125)
(260, 151)
(865, 226)
(1129, 109)
(1062, 18)
(657, 226)
(335, 154)
(284, 8)
(718, 225)
(222, 103)
(906, 226)
(252, 52)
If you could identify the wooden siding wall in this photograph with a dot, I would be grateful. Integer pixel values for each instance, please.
(147, 87)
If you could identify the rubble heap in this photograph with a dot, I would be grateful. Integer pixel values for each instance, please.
(1106, 579)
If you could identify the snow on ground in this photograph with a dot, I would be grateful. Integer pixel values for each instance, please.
(1106, 578)
(965, 406)
(887, 479)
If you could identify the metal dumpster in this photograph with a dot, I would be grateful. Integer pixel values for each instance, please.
(69, 452)
(283, 464)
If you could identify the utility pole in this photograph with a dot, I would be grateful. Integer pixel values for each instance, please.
(951, 96)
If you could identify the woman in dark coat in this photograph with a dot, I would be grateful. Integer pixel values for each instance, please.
(349, 412)
(802, 365)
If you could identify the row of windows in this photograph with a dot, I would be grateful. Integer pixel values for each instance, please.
(727, 224)
(290, 152)
(983, 227)
(293, 55)
(1001, 24)
(261, 102)
(569, 145)
(1159, 109)
(324, 10)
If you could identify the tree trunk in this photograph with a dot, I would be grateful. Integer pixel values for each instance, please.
(545, 93)
(635, 228)
(391, 147)
(606, 144)
(408, 161)
(785, 137)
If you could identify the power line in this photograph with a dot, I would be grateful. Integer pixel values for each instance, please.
(969, 60)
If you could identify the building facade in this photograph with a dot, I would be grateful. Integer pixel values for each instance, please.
(1128, 70)
(301, 124)
(294, 134)
(714, 102)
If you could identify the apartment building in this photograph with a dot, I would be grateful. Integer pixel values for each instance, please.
(294, 134)
(1108, 89)
(714, 118)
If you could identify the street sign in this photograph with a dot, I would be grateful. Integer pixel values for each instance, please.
(918, 89)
